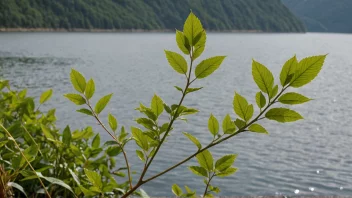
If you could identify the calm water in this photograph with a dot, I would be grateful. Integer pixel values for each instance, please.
(313, 156)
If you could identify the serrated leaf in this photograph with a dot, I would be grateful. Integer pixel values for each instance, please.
(289, 68)
(101, 104)
(96, 141)
(227, 172)
(112, 122)
(200, 171)
(182, 43)
(293, 98)
(177, 62)
(140, 155)
(257, 128)
(192, 28)
(90, 89)
(45, 96)
(241, 107)
(225, 162)
(205, 160)
(94, 178)
(157, 105)
(193, 139)
(262, 77)
(76, 98)
(260, 99)
(213, 125)
(228, 126)
(85, 111)
(78, 81)
(208, 66)
(307, 70)
(177, 190)
(283, 115)
(67, 136)
(274, 91)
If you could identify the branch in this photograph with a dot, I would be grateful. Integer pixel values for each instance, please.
(208, 183)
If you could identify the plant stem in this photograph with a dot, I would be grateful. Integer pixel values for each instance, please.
(29, 164)
(208, 183)
(118, 143)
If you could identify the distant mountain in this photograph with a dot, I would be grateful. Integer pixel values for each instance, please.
(221, 15)
(323, 15)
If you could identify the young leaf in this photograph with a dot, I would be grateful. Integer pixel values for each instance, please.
(257, 128)
(260, 99)
(192, 28)
(190, 90)
(193, 139)
(140, 155)
(85, 111)
(274, 92)
(177, 190)
(47, 133)
(242, 108)
(90, 89)
(283, 115)
(200, 46)
(293, 98)
(200, 171)
(157, 105)
(213, 125)
(177, 62)
(307, 70)
(96, 141)
(205, 160)
(288, 69)
(76, 98)
(66, 136)
(182, 43)
(78, 81)
(94, 178)
(140, 138)
(112, 122)
(179, 88)
(208, 66)
(240, 123)
(262, 77)
(227, 125)
(225, 162)
(45, 96)
(227, 172)
(101, 104)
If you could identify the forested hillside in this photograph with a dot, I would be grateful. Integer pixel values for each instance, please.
(258, 15)
(323, 15)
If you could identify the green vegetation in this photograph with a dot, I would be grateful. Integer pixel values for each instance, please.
(76, 164)
(257, 15)
(323, 15)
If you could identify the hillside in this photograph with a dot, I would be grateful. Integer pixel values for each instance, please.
(220, 15)
(323, 15)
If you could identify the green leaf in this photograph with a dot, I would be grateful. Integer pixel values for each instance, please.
(56, 181)
(193, 139)
(240, 123)
(87, 192)
(200, 171)
(227, 125)
(74, 176)
(274, 92)
(257, 128)
(96, 141)
(101, 104)
(200, 46)
(242, 108)
(144, 194)
(260, 99)
(182, 43)
(192, 28)
(205, 160)
(227, 172)
(113, 151)
(208, 66)
(177, 190)
(177, 62)
(67, 136)
(90, 89)
(140, 155)
(179, 88)
(147, 123)
(283, 115)
(94, 178)
(190, 90)
(262, 77)
(225, 162)
(45, 96)
(157, 105)
(47, 133)
(76, 98)
(213, 125)
(112, 122)
(78, 81)
(307, 70)
(293, 98)
(17, 186)
(85, 111)
(288, 69)
(140, 138)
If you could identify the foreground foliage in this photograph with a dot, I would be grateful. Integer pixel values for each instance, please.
(37, 158)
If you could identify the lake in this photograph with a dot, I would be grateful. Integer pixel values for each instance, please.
(309, 157)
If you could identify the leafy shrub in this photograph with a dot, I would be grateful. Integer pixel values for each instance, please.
(75, 163)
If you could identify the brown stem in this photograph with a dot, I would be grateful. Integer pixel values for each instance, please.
(208, 183)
